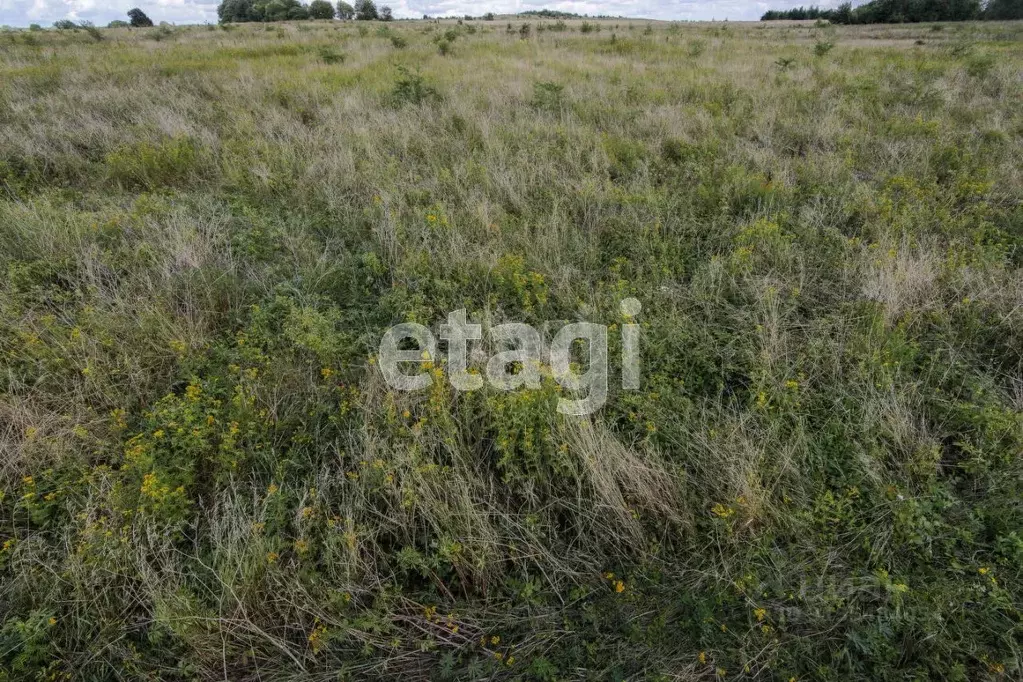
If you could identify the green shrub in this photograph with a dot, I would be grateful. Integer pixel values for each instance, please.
(548, 96)
(412, 88)
(980, 66)
(161, 33)
(331, 56)
(784, 63)
(822, 47)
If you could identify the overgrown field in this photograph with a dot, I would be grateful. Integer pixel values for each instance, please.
(204, 233)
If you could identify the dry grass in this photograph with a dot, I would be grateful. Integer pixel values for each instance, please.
(204, 476)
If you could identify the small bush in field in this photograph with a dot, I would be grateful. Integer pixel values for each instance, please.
(331, 56)
(412, 88)
(980, 66)
(548, 96)
(587, 27)
(398, 42)
(822, 47)
(784, 63)
(443, 47)
(162, 32)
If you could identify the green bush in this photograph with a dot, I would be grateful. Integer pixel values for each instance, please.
(331, 56)
(980, 66)
(548, 96)
(822, 47)
(412, 88)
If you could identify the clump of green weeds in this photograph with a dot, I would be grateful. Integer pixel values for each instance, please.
(331, 56)
(412, 88)
(548, 96)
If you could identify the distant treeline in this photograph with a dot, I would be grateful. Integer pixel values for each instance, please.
(555, 14)
(904, 11)
(550, 14)
(284, 10)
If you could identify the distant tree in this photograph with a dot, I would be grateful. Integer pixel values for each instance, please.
(386, 14)
(366, 10)
(236, 11)
(345, 12)
(279, 10)
(489, 16)
(117, 23)
(321, 9)
(843, 14)
(64, 25)
(36, 27)
(1004, 9)
(138, 18)
(887, 12)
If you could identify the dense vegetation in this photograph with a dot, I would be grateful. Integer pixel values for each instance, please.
(206, 230)
(138, 19)
(286, 10)
(902, 11)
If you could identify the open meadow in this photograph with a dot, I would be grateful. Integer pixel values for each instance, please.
(205, 231)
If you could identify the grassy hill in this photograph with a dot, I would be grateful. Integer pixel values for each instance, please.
(205, 232)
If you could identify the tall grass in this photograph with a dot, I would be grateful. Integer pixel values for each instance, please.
(203, 475)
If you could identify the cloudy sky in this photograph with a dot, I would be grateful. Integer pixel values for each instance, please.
(45, 12)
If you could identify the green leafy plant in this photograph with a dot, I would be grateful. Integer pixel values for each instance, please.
(412, 88)
(548, 96)
(822, 47)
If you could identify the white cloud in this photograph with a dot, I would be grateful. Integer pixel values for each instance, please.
(100, 12)
(23, 12)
